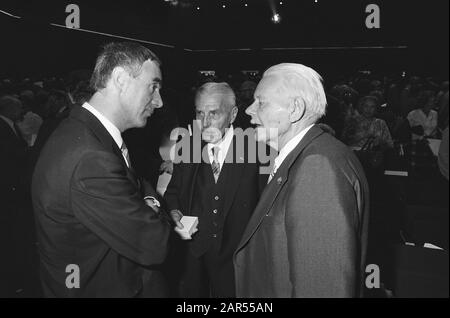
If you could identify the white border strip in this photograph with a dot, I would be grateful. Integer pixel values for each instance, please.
(396, 173)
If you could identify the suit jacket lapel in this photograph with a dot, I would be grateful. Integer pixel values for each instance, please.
(103, 135)
(13, 135)
(193, 168)
(273, 189)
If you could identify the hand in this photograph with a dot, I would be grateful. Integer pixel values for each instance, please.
(166, 166)
(176, 217)
(185, 233)
(153, 203)
(185, 236)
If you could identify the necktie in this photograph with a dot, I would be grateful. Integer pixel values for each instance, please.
(125, 154)
(272, 174)
(215, 164)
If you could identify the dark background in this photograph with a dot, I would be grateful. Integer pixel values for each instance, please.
(230, 39)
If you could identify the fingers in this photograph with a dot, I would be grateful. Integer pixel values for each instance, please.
(176, 217)
(166, 167)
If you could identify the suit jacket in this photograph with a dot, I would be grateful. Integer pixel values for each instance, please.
(13, 153)
(13, 204)
(308, 234)
(45, 131)
(244, 183)
(90, 212)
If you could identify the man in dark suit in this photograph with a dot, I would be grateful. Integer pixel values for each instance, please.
(13, 154)
(308, 234)
(99, 228)
(221, 191)
(12, 147)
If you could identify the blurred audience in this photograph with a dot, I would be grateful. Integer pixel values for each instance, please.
(424, 120)
(363, 127)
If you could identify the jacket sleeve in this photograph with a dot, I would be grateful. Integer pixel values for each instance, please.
(172, 194)
(107, 203)
(322, 230)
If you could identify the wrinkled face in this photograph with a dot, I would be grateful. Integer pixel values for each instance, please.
(269, 112)
(141, 95)
(214, 116)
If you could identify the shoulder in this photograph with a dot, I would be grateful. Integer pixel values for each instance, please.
(69, 142)
(326, 153)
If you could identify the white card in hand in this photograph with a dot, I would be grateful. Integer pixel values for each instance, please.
(190, 225)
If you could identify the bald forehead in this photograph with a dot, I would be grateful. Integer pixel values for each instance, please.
(269, 84)
(213, 100)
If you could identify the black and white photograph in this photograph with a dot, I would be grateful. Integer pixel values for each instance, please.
(224, 154)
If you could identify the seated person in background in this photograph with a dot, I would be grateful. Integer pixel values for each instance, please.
(31, 122)
(363, 126)
(424, 120)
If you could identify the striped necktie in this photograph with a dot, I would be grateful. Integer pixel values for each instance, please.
(215, 164)
(272, 173)
(125, 154)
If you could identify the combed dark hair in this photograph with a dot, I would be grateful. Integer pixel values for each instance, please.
(129, 55)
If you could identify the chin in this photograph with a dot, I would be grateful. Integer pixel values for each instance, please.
(142, 123)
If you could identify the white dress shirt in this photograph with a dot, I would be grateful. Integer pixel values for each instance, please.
(223, 146)
(287, 149)
(109, 126)
(418, 118)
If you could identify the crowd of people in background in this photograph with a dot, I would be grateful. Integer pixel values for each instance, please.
(365, 111)
(361, 106)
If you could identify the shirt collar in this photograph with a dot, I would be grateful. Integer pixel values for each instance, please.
(290, 146)
(109, 126)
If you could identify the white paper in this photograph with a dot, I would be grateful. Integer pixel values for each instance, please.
(189, 227)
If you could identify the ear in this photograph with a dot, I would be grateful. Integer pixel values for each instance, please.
(297, 110)
(119, 78)
(234, 113)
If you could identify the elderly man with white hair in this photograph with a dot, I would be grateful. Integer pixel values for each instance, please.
(308, 234)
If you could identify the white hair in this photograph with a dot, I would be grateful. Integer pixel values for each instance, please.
(302, 82)
(223, 89)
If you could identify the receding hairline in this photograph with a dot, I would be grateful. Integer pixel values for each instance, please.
(299, 81)
(222, 90)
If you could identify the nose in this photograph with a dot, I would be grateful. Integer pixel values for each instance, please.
(251, 109)
(206, 121)
(157, 100)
